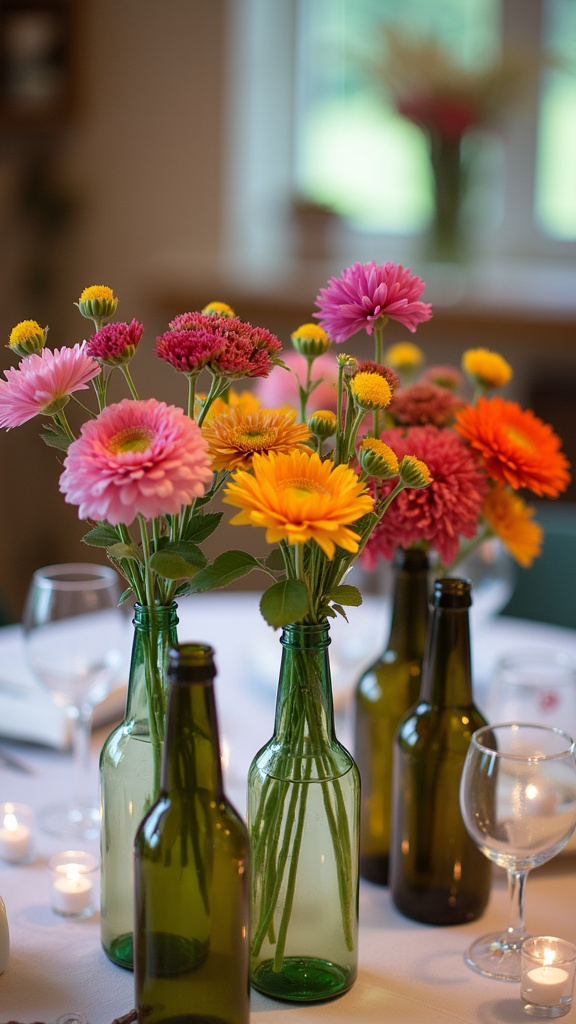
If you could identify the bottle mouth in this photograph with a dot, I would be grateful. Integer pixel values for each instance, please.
(452, 592)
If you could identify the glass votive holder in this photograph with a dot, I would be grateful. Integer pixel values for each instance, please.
(72, 883)
(16, 822)
(548, 967)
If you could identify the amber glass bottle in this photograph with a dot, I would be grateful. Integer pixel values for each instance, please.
(437, 874)
(384, 693)
(191, 869)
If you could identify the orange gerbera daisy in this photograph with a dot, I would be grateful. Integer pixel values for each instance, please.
(511, 519)
(235, 437)
(298, 497)
(517, 448)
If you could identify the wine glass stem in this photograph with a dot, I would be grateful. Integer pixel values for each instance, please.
(516, 930)
(81, 736)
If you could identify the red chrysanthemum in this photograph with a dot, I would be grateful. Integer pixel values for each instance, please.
(422, 403)
(439, 514)
(249, 351)
(115, 343)
(189, 351)
(516, 446)
(368, 294)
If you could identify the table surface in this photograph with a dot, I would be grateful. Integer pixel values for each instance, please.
(407, 972)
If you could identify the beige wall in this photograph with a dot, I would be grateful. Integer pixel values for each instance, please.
(142, 159)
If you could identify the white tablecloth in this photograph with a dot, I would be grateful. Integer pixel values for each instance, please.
(408, 972)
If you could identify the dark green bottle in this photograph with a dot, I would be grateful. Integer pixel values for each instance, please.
(437, 874)
(191, 869)
(384, 693)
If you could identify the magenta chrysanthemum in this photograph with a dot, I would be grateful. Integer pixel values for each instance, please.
(422, 403)
(115, 343)
(43, 383)
(136, 458)
(370, 294)
(229, 346)
(439, 514)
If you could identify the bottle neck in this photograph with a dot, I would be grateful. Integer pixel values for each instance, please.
(447, 672)
(410, 608)
(304, 708)
(191, 755)
(154, 635)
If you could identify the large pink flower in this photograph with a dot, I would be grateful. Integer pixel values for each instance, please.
(368, 294)
(136, 458)
(43, 383)
(439, 514)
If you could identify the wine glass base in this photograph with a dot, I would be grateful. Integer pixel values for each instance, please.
(495, 956)
(70, 822)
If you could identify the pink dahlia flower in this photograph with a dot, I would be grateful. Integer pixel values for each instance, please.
(43, 383)
(439, 514)
(189, 351)
(281, 387)
(136, 458)
(249, 351)
(367, 295)
(115, 343)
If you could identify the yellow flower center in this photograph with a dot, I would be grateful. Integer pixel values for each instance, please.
(97, 291)
(253, 439)
(372, 391)
(133, 439)
(520, 439)
(25, 329)
(302, 486)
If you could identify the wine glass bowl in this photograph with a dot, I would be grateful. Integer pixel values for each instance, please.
(74, 637)
(518, 803)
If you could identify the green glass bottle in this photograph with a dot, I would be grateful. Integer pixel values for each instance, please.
(191, 866)
(303, 819)
(383, 695)
(437, 874)
(130, 774)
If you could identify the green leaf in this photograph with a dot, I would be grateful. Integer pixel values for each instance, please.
(275, 560)
(346, 594)
(338, 608)
(171, 566)
(122, 550)
(187, 551)
(201, 527)
(55, 440)
(226, 568)
(101, 537)
(284, 602)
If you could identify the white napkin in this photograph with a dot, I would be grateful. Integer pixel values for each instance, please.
(27, 711)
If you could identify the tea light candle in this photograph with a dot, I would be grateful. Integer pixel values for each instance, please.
(548, 967)
(15, 832)
(72, 886)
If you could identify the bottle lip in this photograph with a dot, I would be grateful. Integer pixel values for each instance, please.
(416, 558)
(452, 592)
(194, 659)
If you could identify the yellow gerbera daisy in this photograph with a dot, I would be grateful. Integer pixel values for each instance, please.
(298, 497)
(488, 368)
(511, 519)
(235, 437)
(245, 401)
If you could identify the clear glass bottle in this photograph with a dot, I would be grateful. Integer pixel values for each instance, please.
(130, 775)
(191, 869)
(303, 820)
(385, 692)
(437, 873)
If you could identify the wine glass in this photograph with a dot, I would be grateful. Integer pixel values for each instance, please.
(518, 802)
(75, 635)
(536, 684)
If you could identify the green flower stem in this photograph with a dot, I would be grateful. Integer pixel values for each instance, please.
(61, 420)
(129, 381)
(279, 823)
(192, 381)
(218, 386)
